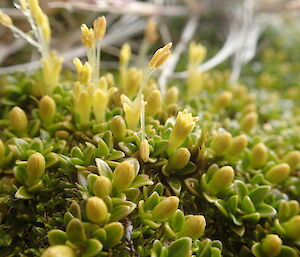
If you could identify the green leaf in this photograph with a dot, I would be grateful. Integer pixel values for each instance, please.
(180, 248)
(100, 234)
(247, 205)
(287, 251)
(241, 188)
(114, 233)
(175, 184)
(103, 168)
(103, 149)
(160, 147)
(20, 174)
(23, 194)
(141, 180)
(266, 210)
(152, 201)
(92, 248)
(258, 194)
(232, 203)
(119, 212)
(188, 169)
(57, 237)
(177, 221)
(75, 231)
(77, 153)
(115, 155)
(252, 217)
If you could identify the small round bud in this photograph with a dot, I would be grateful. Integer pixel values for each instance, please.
(292, 159)
(221, 143)
(193, 227)
(249, 121)
(118, 127)
(238, 145)
(271, 245)
(278, 173)
(123, 175)
(102, 186)
(180, 158)
(259, 155)
(59, 251)
(47, 108)
(292, 228)
(172, 95)
(223, 100)
(35, 168)
(144, 150)
(96, 210)
(165, 208)
(220, 180)
(18, 120)
(153, 101)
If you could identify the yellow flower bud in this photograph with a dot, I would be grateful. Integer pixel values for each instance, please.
(271, 245)
(96, 210)
(151, 31)
(132, 111)
(47, 109)
(110, 79)
(153, 103)
(221, 179)
(249, 121)
(197, 53)
(237, 146)
(102, 186)
(160, 56)
(278, 173)
(59, 251)
(125, 54)
(165, 208)
(51, 71)
(84, 71)
(18, 120)
(134, 81)
(292, 159)
(87, 36)
(259, 155)
(193, 227)
(123, 175)
(83, 107)
(172, 95)
(144, 150)
(221, 143)
(292, 228)
(118, 127)
(5, 20)
(223, 100)
(183, 127)
(35, 168)
(179, 159)
(100, 27)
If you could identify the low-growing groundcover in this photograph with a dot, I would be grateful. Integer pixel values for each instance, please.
(105, 165)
